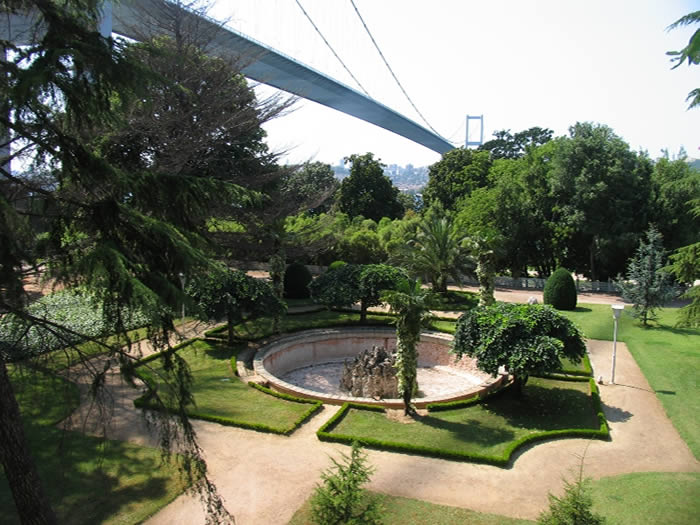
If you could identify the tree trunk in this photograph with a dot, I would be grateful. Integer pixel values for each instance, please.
(363, 311)
(591, 262)
(32, 504)
(230, 322)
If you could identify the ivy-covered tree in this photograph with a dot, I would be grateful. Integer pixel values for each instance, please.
(367, 191)
(234, 296)
(524, 339)
(352, 283)
(409, 301)
(648, 286)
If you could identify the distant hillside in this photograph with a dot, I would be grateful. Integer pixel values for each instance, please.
(694, 163)
(404, 178)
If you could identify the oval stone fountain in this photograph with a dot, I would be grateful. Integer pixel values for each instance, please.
(310, 364)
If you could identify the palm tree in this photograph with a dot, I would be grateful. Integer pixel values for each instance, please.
(410, 302)
(436, 252)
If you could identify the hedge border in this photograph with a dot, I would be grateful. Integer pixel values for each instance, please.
(143, 401)
(603, 432)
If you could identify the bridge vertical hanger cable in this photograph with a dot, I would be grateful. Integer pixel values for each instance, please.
(331, 48)
(376, 46)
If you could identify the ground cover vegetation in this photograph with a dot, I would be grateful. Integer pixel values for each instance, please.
(88, 479)
(667, 355)
(483, 431)
(217, 394)
(130, 150)
(138, 152)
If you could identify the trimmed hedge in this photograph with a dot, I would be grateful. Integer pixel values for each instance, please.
(560, 290)
(325, 434)
(144, 401)
(296, 281)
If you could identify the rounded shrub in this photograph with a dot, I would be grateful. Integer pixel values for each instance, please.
(560, 290)
(336, 264)
(296, 281)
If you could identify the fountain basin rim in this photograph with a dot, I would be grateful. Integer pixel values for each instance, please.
(323, 334)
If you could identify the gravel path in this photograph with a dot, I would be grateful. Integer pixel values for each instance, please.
(264, 478)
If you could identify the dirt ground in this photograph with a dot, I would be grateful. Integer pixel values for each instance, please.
(264, 478)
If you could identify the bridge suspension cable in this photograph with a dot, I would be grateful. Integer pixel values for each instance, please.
(331, 48)
(376, 46)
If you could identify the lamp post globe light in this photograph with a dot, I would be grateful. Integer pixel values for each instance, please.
(617, 311)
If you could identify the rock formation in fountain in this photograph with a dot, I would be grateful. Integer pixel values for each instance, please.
(371, 374)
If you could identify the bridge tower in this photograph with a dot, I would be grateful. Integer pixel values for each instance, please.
(480, 131)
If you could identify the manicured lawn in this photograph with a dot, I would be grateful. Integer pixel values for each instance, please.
(260, 328)
(61, 359)
(404, 511)
(669, 358)
(88, 480)
(219, 393)
(486, 429)
(454, 301)
(648, 498)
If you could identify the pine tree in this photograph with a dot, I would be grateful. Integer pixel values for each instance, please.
(647, 286)
(341, 498)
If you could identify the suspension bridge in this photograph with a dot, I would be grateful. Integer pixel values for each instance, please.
(257, 61)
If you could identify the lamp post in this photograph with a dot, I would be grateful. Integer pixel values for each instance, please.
(183, 280)
(617, 310)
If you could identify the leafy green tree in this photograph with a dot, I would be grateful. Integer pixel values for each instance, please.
(436, 251)
(234, 296)
(601, 192)
(311, 186)
(350, 283)
(647, 285)
(525, 339)
(508, 146)
(675, 185)
(367, 191)
(685, 265)
(456, 175)
(691, 52)
(122, 226)
(409, 301)
(560, 290)
(340, 499)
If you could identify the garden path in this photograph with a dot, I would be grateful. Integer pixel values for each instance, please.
(264, 478)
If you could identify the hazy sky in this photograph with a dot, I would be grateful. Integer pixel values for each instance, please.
(520, 63)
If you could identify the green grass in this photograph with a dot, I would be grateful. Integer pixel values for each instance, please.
(669, 357)
(454, 301)
(218, 393)
(648, 498)
(486, 429)
(404, 511)
(261, 328)
(88, 480)
(62, 359)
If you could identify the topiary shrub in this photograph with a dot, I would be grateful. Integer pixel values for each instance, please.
(296, 281)
(560, 290)
(336, 264)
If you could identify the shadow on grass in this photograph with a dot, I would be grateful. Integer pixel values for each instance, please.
(582, 309)
(543, 408)
(90, 480)
(470, 431)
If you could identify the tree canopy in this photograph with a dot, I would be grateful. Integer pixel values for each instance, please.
(525, 339)
(458, 173)
(367, 191)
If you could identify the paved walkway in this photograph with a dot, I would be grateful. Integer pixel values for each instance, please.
(264, 478)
